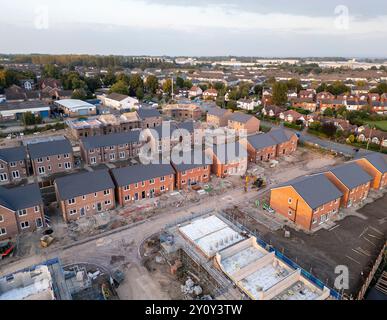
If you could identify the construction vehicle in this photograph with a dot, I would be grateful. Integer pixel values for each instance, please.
(46, 241)
(257, 182)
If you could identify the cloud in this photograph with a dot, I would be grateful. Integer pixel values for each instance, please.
(200, 24)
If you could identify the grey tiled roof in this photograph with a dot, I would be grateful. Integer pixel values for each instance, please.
(148, 113)
(111, 139)
(378, 160)
(129, 175)
(80, 184)
(13, 154)
(260, 141)
(316, 189)
(281, 135)
(21, 197)
(116, 96)
(229, 152)
(217, 112)
(49, 148)
(351, 175)
(191, 160)
(240, 117)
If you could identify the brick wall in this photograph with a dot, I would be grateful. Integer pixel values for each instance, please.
(14, 171)
(87, 205)
(21, 221)
(145, 189)
(53, 164)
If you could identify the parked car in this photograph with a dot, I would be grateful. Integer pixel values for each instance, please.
(6, 249)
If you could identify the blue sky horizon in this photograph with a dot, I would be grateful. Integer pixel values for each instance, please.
(249, 28)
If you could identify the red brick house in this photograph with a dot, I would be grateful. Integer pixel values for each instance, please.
(271, 145)
(51, 157)
(241, 121)
(375, 164)
(13, 164)
(352, 181)
(191, 169)
(139, 182)
(110, 148)
(307, 201)
(228, 159)
(21, 210)
(85, 194)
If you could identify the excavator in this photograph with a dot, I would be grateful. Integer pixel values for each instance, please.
(257, 182)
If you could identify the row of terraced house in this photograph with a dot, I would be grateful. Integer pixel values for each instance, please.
(83, 194)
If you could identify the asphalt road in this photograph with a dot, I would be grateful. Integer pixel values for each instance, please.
(325, 144)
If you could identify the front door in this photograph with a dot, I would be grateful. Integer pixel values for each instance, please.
(143, 195)
(82, 212)
(99, 206)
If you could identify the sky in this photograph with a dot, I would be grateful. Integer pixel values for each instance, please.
(265, 28)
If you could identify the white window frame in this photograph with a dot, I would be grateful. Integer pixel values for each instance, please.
(3, 176)
(24, 225)
(22, 212)
(3, 231)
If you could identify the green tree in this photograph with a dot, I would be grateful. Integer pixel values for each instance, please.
(79, 94)
(188, 84)
(328, 112)
(338, 88)
(180, 82)
(380, 88)
(30, 119)
(329, 129)
(120, 87)
(294, 84)
(151, 84)
(109, 79)
(51, 71)
(135, 83)
(140, 93)
(232, 104)
(167, 87)
(93, 83)
(280, 91)
(258, 90)
(123, 77)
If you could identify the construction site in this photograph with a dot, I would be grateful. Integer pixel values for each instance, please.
(52, 281)
(228, 263)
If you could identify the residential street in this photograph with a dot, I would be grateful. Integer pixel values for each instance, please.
(326, 144)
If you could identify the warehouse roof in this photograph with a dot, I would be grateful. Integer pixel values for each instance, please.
(21, 197)
(80, 184)
(129, 175)
(74, 104)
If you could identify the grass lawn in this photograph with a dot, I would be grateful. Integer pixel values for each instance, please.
(381, 125)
